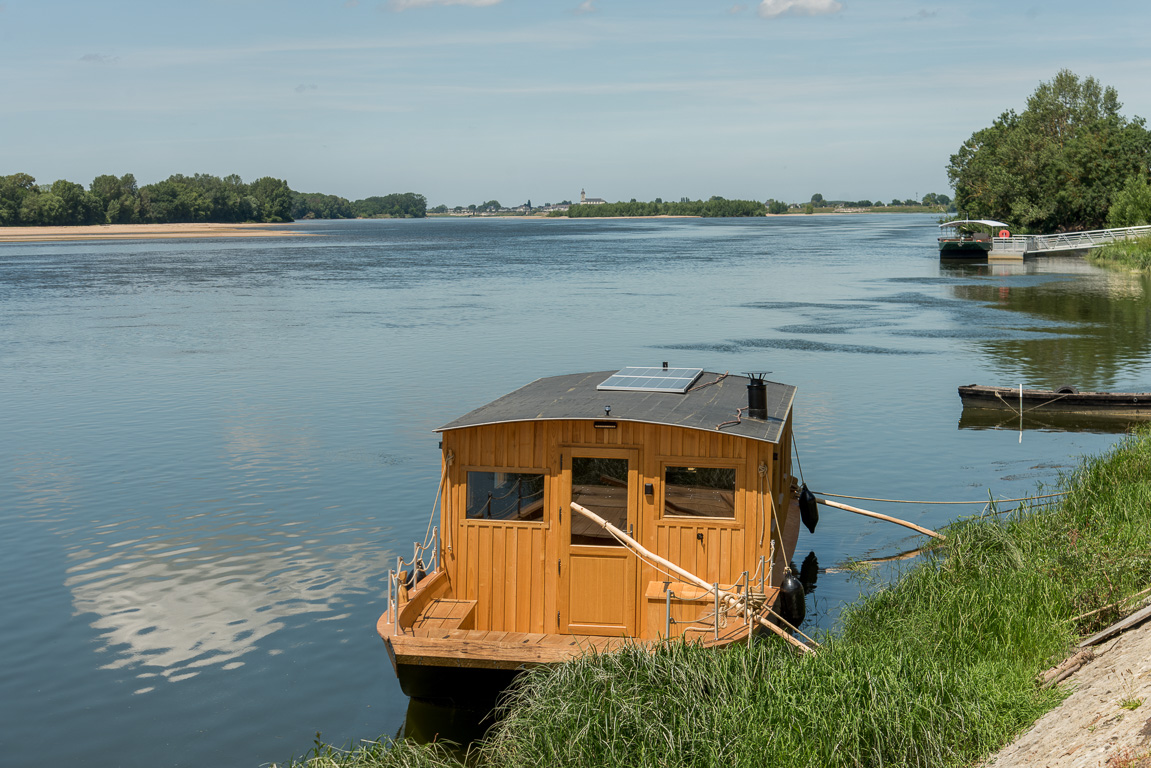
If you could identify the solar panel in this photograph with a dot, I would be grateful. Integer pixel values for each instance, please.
(677, 380)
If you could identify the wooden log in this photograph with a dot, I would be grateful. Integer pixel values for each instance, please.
(728, 598)
(1136, 618)
(1066, 668)
(876, 515)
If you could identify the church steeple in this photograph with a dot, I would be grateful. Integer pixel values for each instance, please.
(582, 196)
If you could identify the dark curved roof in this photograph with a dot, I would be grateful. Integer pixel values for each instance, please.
(714, 400)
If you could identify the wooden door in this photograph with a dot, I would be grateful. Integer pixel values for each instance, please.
(597, 573)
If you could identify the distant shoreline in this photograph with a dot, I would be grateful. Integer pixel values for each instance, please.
(794, 215)
(142, 232)
(204, 230)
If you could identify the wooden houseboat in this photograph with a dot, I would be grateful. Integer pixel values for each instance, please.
(588, 510)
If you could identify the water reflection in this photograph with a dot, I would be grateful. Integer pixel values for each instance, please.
(1092, 332)
(988, 418)
(173, 587)
(169, 607)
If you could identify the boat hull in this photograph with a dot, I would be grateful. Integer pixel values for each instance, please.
(463, 687)
(964, 249)
(1120, 405)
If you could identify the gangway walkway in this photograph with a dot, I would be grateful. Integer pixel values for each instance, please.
(1019, 246)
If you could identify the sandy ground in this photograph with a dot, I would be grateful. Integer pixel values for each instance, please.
(142, 232)
(1092, 728)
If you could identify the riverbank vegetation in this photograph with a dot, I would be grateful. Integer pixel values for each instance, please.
(938, 668)
(183, 199)
(1125, 254)
(1058, 165)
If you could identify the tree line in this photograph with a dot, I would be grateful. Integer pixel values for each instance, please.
(1069, 161)
(714, 207)
(183, 199)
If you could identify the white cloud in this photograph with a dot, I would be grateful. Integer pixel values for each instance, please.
(737, 8)
(96, 58)
(587, 6)
(770, 9)
(403, 5)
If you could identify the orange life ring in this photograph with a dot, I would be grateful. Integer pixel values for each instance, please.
(1004, 233)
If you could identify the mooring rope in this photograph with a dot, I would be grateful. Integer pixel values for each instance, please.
(738, 418)
(1022, 411)
(914, 501)
(717, 380)
(435, 502)
(799, 463)
(735, 600)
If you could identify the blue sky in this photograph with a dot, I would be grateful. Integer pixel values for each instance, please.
(469, 100)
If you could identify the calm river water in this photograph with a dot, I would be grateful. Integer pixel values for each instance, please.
(214, 449)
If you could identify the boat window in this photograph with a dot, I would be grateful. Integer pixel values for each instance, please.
(600, 485)
(505, 496)
(699, 492)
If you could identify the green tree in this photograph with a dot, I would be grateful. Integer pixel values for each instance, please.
(1055, 166)
(817, 199)
(14, 190)
(274, 197)
(78, 205)
(396, 205)
(314, 205)
(43, 209)
(1132, 206)
(119, 198)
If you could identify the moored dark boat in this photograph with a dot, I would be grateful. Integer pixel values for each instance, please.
(1129, 405)
(967, 238)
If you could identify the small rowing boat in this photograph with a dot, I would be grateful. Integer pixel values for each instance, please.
(1067, 399)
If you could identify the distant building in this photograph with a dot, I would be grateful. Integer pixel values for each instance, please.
(585, 200)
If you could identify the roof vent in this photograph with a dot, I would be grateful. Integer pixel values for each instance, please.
(757, 395)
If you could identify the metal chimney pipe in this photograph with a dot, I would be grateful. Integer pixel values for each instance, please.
(756, 396)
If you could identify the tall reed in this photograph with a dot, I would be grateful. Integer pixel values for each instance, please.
(1125, 254)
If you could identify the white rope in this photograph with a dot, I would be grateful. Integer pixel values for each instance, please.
(1021, 410)
(435, 502)
(913, 501)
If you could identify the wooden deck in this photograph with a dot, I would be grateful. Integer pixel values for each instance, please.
(434, 639)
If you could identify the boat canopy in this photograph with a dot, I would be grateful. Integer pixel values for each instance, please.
(984, 222)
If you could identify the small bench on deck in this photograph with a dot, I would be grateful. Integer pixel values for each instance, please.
(443, 614)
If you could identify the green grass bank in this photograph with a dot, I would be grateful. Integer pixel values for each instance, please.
(1128, 254)
(936, 669)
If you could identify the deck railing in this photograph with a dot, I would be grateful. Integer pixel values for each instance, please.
(410, 579)
(1066, 241)
(746, 605)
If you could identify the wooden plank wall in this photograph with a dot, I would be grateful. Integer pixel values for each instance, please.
(509, 568)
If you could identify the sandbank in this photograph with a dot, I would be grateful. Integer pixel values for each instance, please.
(143, 232)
